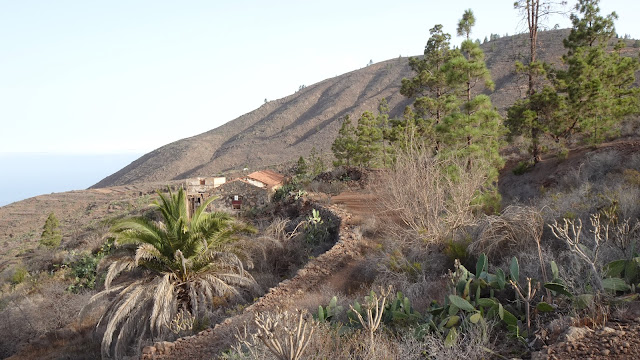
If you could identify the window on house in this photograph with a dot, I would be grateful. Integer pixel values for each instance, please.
(202, 181)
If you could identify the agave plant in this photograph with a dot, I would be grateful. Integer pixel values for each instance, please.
(181, 264)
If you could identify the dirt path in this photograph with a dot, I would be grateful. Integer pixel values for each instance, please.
(357, 203)
(289, 294)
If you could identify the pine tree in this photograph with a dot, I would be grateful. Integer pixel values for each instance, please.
(51, 235)
(474, 129)
(301, 167)
(386, 153)
(430, 85)
(344, 147)
(598, 82)
(532, 11)
(316, 163)
(369, 137)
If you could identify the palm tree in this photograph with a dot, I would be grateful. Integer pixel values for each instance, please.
(183, 264)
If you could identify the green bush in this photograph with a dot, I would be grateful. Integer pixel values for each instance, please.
(522, 167)
(51, 235)
(563, 154)
(84, 268)
(20, 273)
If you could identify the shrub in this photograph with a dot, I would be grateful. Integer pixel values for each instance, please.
(434, 202)
(516, 229)
(522, 167)
(631, 176)
(51, 235)
(20, 273)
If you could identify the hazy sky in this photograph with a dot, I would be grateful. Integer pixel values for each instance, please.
(130, 76)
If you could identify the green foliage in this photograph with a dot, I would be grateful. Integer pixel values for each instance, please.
(468, 304)
(185, 263)
(283, 192)
(369, 138)
(51, 235)
(301, 167)
(316, 163)
(316, 230)
(20, 273)
(466, 23)
(590, 95)
(447, 112)
(329, 312)
(457, 249)
(399, 312)
(83, 267)
(345, 145)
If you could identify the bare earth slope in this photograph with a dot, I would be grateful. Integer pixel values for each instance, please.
(282, 130)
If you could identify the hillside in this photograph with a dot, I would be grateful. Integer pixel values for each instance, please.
(282, 130)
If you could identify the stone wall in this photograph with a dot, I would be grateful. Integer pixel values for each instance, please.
(250, 195)
(203, 345)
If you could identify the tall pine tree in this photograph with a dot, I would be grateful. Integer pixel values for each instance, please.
(433, 97)
(345, 145)
(598, 82)
(530, 125)
(369, 138)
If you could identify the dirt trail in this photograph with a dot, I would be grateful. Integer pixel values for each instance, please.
(357, 203)
(289, 294)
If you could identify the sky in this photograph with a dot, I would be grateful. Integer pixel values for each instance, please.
(86, 87)
(113, 77)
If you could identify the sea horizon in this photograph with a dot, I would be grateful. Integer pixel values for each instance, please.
(25, 175)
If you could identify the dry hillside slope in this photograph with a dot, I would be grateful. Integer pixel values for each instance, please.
(282, 130)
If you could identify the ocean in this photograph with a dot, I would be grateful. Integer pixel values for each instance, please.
(24, 175)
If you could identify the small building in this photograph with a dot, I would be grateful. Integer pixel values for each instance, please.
(267, 179)
(200, 189)
(253, 190)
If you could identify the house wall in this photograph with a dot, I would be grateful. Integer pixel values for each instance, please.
(255, 182)
(195, 185)
(250, 195)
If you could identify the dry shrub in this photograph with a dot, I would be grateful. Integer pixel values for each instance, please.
(337, 342)
(517, 229)
(25, 316)
(427, 198)
(278, 253)
(370, 226)
(473, 343)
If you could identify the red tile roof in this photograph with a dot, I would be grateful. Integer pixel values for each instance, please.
(268, 177)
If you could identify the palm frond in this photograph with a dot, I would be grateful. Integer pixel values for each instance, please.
(89, 307)
(186, 263)
(148, 252)
(116, 268)
(125, 304)
(164, 305)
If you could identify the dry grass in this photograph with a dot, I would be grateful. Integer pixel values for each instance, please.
(517, 229)
(338, 342)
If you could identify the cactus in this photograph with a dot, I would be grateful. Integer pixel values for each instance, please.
(328, 313)
(400, 312)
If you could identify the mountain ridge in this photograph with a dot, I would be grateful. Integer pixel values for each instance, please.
(281, 130)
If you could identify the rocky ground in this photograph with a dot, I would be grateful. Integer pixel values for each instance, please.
(617, 340)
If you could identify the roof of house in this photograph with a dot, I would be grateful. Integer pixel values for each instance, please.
(268, 177)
